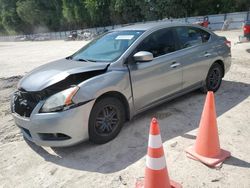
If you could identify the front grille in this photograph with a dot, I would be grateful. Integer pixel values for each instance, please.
(25, 102)
(53, 136)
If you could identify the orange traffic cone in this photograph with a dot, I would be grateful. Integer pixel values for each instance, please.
(207, 145)
(156, 173)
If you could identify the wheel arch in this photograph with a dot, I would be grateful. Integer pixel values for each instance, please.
(121, 98)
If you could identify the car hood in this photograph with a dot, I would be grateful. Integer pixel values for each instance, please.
(56, 71)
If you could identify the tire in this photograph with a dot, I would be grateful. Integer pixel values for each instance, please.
(213, 79)
(106, 120)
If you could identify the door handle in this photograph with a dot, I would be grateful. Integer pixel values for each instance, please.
(174, 65)
(207, 54)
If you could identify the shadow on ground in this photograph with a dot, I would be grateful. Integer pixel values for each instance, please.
(176, 119)
(234, 161)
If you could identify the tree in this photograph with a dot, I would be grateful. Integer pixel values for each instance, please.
(75, 13)
(242, 5)
(98, 11)
(25, 16)
(2, 30)
(43, 13)
(10, 21)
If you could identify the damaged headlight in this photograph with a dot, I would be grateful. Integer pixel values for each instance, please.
(60, 101)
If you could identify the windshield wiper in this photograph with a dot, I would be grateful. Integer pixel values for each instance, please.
(80, 59)
(86, 60)
(70, 57)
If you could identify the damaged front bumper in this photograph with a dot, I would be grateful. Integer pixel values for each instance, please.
(56, 129)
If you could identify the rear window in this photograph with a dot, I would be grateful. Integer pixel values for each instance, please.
(191, 36)
(204, 35)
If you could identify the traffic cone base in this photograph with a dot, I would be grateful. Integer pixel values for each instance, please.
(211, 162)
(173, 184)
(192, 157)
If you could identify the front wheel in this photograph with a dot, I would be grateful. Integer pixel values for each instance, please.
(106, 120)
(214, 78)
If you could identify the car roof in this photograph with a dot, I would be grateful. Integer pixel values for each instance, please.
(153, 25)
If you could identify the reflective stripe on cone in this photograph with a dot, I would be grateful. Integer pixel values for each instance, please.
(155, 163)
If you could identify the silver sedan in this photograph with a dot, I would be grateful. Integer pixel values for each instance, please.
(90, 94)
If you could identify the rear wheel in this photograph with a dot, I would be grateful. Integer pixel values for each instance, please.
(106, 120)
(214, 78)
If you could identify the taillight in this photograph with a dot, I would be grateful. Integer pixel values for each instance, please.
(246, 29)
(228, 43)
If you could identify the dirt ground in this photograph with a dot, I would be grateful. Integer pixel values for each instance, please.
(120, 162)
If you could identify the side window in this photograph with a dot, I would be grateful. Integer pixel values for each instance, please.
(204, 35)
(188, 36)
(159, 43)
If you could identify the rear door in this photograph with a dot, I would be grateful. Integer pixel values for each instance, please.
(196, 54)
(154, 80)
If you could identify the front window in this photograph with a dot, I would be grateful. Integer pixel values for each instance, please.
(159, 43)
(108, 47)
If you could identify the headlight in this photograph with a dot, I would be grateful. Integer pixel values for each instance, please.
(60, 101)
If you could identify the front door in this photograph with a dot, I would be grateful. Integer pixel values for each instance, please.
(154, 80)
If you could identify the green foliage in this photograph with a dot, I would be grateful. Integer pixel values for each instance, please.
(29, 11)
(10, 21)
(75, 14)
(25, 16)
(98, 11)
(129, 10)
(45, 13)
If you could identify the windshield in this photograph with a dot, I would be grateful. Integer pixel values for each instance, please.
(108, 47)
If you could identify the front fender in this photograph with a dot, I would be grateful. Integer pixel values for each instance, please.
(113, 80)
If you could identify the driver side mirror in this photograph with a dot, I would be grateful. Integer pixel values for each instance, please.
(143, 56)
